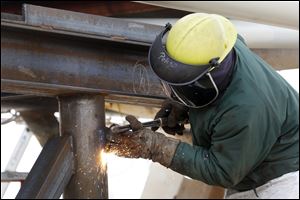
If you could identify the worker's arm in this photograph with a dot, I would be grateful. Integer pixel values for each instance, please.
(240, 141)
(141, 143)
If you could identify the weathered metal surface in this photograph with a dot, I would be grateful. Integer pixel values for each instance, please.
(12, 96)
(50, 64)
(54, 58)
(134, 100)
(82, 116)
(42, 123)
(13, 17)
(111, 28)
(51, 172)
(8, 176)
(28, 103)
(103, 8)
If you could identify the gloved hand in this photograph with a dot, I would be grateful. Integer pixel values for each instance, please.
(176, 115)
(142, 143)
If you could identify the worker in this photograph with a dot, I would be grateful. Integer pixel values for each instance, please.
(244, 116)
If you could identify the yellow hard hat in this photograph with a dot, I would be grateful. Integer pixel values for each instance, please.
(197, 38)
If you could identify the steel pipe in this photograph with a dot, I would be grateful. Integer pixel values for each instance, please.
(51, 172)
(82, 116)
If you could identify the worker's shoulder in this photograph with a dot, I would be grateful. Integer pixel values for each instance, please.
(238, 101)
(241, 99)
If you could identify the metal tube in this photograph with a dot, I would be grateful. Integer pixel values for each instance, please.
(51, 172)
(83, 117)
(9, 176)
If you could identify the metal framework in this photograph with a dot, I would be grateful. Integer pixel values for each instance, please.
(51, 172)
(74, 57)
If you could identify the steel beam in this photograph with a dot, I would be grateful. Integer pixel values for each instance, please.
(103, 8)
(51, 172)
(105, 27)
(82, 116)
(62, 52)
(23, 103)
(51, 65)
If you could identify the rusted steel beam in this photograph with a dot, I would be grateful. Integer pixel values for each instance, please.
(51, 63)
(84, 25)
(103, 8)
(51, 172)
(24, 103)
(82, 116)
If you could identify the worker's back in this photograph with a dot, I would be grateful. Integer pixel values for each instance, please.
(252, 131)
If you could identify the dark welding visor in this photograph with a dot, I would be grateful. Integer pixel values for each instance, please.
(196, 94)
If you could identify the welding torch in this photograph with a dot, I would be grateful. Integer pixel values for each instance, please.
(154, 123)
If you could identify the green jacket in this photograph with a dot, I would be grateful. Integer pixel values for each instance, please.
(250, 136)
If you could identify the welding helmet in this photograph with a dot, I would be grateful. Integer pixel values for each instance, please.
(184, 67)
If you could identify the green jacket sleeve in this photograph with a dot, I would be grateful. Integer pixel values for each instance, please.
(238, 145)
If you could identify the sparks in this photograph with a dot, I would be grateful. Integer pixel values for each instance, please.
(105, 157)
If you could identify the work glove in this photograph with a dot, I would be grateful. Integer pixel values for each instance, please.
(176, 116)
(141, 143)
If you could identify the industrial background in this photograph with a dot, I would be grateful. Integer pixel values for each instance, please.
(68, 68)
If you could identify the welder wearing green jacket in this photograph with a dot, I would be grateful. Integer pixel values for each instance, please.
(244, 116)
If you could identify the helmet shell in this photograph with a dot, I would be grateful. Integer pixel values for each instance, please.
(197, 38)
